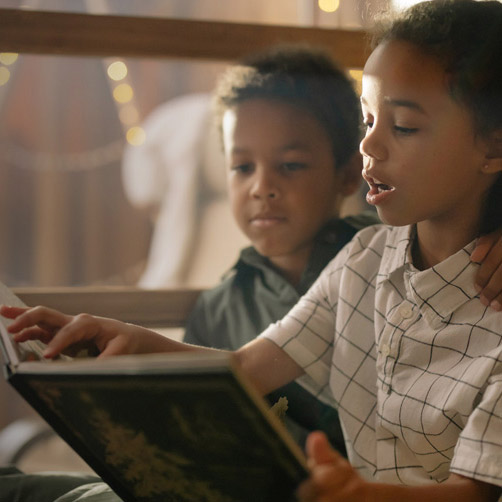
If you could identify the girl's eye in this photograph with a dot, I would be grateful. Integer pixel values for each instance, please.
(368, 124)
(293, 166)
(405, 131)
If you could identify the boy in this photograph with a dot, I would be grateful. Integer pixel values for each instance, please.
(289, 122)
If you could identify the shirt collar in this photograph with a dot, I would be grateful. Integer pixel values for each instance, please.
(329, 240)
(438, 291)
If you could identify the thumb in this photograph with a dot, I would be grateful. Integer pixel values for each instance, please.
(319, 450)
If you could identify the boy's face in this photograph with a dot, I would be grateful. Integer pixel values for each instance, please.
(283, 186)
(422, 159)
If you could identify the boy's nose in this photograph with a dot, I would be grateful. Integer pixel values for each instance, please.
(264, 186)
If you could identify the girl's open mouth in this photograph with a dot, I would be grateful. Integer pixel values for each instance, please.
(378, 191)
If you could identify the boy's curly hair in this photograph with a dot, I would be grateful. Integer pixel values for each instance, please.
(303, 76)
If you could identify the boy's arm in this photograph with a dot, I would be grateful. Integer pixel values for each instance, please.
(488, 253)
(333, 479)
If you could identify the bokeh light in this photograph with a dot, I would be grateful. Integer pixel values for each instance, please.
(123, 93)
(117, 70)
(329, 5)
(135, 136)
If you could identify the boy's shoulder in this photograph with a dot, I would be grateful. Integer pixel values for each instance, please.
(241, 276)
(362, 220)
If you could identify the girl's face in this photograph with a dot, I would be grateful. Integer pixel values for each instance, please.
(422, 159)
(282, 180)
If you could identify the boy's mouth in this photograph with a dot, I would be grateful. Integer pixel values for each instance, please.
(266, 220)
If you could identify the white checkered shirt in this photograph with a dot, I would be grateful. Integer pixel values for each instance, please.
(412, 359)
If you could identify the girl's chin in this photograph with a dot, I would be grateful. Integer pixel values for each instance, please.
(396, 220)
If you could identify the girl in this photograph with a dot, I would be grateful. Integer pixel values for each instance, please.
(393, 331)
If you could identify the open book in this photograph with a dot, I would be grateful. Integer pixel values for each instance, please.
(160, 428)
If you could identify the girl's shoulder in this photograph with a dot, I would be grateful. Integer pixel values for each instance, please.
(370, 246)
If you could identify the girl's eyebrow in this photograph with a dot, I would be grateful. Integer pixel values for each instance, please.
(406, 103)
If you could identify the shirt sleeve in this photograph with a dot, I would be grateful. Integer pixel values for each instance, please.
(306, 334)
(478, 453)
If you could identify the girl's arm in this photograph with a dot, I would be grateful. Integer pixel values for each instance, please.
(265, 364)
(488, 253)
(333, 479)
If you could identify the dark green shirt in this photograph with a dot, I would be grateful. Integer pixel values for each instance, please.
(253, 295)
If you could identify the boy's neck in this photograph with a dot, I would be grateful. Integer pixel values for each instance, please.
(292, 267)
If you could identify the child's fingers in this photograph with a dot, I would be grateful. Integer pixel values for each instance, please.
(33, 333)
(38, 316)
(319, 450)
(489, 276)
(80, 329)
(12, 312)
(307, 492)
(491, 294)
(483, 246)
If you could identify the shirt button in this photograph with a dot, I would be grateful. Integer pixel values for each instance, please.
(406, 311)
(385, 350)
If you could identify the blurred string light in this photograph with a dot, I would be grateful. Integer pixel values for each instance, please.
(328, 5)
(95, 158)
(6, 59)
(123, 94)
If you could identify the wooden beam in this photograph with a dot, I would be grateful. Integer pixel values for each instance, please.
(43, 32)
(154, 308)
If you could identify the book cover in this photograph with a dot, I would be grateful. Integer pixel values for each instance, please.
(184, 427)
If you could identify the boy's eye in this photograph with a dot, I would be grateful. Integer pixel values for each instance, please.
(242, 168)
(293, 166)
(368, 124)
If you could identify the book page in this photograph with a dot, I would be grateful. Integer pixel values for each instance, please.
(17, 352)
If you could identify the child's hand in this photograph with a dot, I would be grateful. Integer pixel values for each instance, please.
(488, 280)
(70, 334)
(332, 478)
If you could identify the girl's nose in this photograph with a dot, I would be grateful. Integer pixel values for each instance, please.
(372, 146)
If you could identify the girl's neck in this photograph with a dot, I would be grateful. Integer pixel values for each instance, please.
(435, 244)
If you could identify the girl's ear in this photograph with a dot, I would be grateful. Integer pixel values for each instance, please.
(351, 178)
(493, 157)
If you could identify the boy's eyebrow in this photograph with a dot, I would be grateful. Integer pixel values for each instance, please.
(295, 145)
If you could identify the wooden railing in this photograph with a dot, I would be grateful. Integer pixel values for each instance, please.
(38, 32)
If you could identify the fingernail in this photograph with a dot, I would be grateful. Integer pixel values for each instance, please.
(496, 305)
(484, 301)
